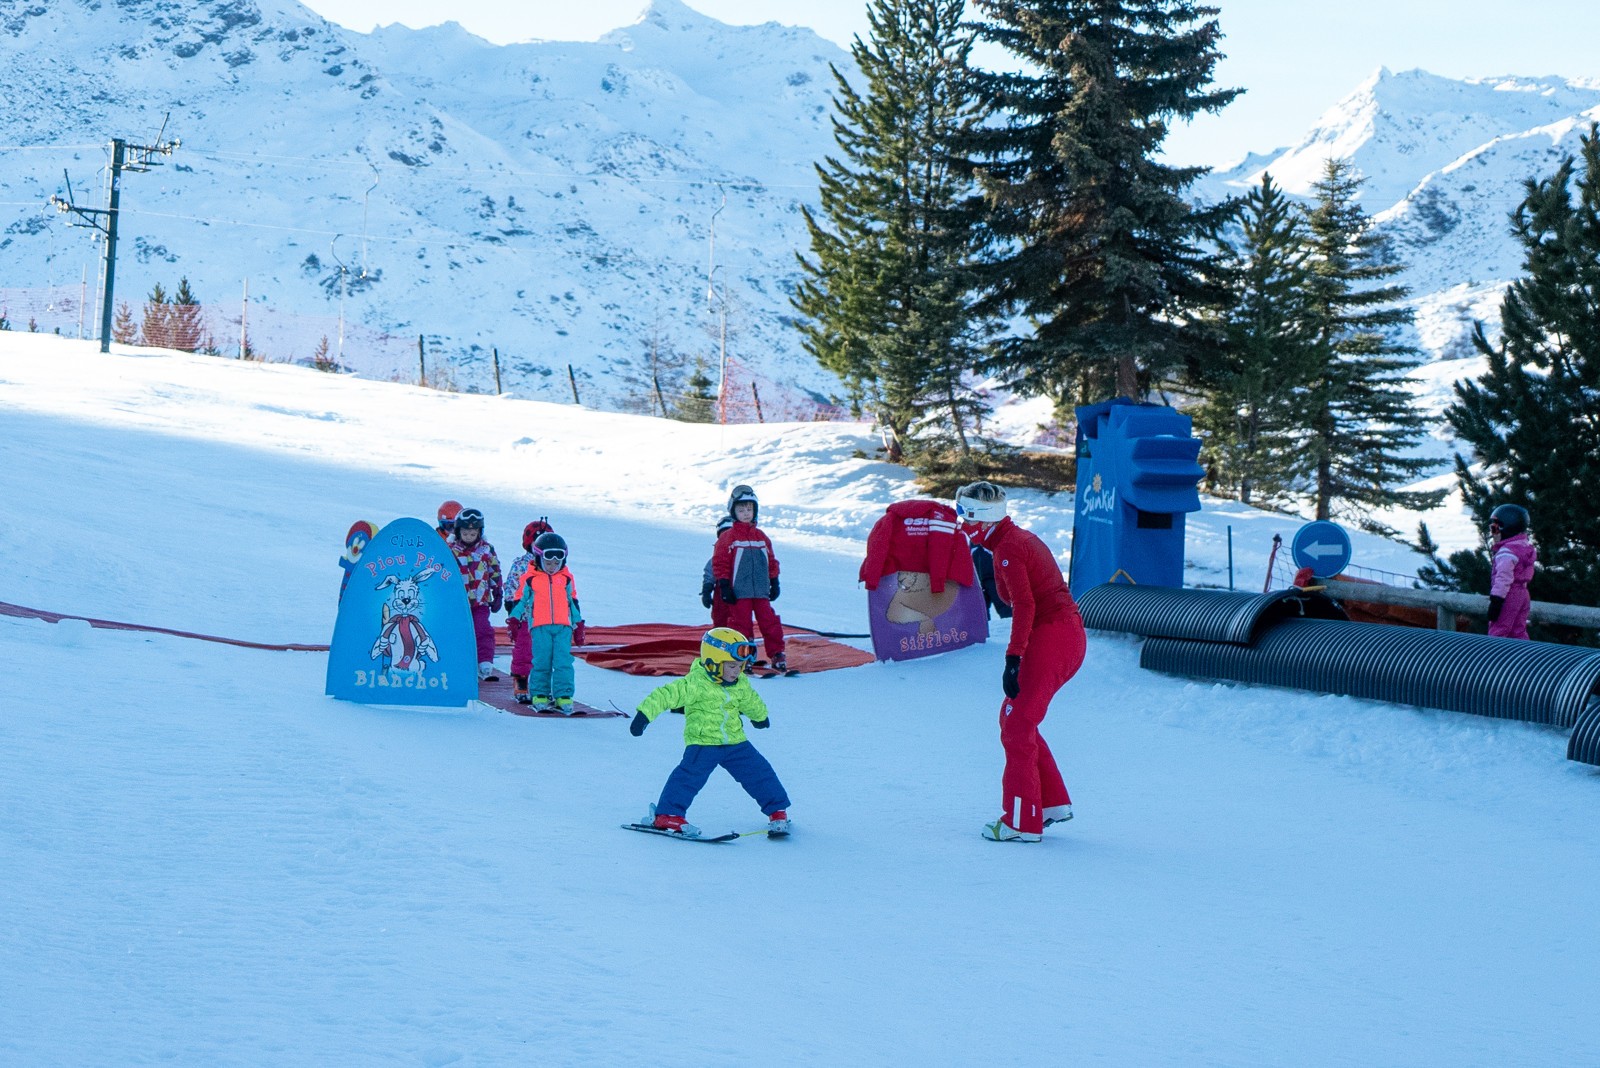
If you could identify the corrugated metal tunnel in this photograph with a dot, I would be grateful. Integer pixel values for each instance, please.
(1301, 640)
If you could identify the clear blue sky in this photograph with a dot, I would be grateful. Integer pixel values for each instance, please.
(1295, 57)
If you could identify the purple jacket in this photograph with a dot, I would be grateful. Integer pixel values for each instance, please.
(1513, 569)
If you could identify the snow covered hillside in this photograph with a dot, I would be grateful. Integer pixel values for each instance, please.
(211, 863)
(552, 200)
(1445, 162)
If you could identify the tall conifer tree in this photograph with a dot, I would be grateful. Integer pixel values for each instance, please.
(1533, 419)
(887, 295)
(1255, 380)
(1361, 419)
(186, 320)
(155, 330)
(1096, 241)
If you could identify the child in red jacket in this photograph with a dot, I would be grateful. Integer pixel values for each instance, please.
(746, 573)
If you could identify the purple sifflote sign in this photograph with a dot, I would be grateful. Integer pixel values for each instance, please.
(908, 620)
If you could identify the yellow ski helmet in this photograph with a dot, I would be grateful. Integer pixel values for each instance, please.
(719, 645)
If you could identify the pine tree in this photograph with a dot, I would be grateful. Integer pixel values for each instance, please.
(1360, 417)
(1096, 241)
(123, 330)
(1255, 379)
(700, 404)
(1533, 419)
(156, 329)
(186, 320)
(888, 295)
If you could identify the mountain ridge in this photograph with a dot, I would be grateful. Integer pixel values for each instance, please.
(560, 204)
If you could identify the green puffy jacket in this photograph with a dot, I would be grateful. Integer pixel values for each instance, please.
(711, 711)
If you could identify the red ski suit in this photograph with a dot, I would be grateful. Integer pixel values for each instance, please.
(1047, 633)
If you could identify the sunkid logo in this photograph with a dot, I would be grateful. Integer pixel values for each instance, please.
(1099, 498)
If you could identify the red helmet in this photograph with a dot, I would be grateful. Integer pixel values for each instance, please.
(447, 514)
(533, 530)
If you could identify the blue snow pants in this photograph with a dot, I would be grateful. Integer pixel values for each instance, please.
(551, 648)
(743, 761)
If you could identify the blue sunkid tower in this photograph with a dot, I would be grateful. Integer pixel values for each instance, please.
(1137, 478)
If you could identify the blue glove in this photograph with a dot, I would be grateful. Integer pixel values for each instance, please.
(1009, 680)
(773, 595)
(640, 722)
(761, 724)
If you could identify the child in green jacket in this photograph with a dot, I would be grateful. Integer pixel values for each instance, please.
(715, 697)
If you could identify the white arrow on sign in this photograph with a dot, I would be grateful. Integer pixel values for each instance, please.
(1317, 548)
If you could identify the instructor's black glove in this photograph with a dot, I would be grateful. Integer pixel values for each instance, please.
(1495, 605)
(705, 597)
(725, 587)
(640, 722)
(772, 594)
(761, 724)
(1009, 681)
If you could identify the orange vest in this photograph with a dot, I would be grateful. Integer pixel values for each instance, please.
(549, 596)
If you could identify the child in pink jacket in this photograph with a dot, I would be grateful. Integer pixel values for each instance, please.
(1513, 563)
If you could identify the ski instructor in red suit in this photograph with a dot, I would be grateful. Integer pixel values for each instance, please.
(1046, 649)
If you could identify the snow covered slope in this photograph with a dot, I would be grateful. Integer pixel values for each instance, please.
(551, 200)
(210, 863)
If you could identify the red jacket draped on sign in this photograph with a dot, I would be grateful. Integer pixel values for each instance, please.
(918, 536)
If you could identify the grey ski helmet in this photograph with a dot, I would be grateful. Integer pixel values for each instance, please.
(745, 493)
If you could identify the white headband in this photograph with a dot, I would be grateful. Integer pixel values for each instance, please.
(976, 511)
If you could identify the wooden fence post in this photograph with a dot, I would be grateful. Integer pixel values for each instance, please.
(422, 363)
(756, 393)
(497, 390)
(574, 380)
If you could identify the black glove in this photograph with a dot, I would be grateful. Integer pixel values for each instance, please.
(640, 722)
(761, 724)
(773, 595)
(725, 587)
(705, 597)
(1009, 681)
(1495, 605)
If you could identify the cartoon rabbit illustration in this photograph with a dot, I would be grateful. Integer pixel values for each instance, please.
(403, 639)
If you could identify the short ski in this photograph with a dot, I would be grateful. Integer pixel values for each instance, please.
(645, 828)
(767, 673)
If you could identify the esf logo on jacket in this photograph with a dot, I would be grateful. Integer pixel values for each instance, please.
(923, 526)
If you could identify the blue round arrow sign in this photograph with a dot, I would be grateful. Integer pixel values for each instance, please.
(1322, 546)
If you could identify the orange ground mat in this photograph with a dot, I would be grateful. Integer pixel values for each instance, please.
(668, 648)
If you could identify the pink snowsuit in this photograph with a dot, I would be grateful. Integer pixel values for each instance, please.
(1513, 569)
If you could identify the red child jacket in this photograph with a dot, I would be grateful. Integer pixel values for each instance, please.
(744, 556)
(1029, 579)
(918, 536)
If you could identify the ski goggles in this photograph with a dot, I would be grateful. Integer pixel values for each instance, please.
(555, 556)
(745, 651)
